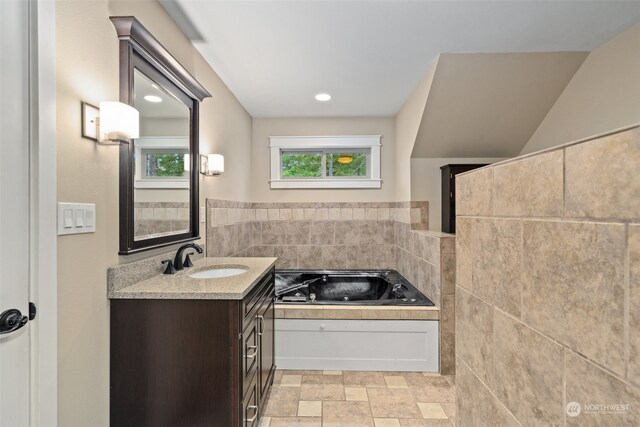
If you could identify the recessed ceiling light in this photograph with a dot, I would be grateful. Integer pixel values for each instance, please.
(153, 98)
(323, 97)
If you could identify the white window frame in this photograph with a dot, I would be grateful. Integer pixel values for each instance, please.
(159, 143)
(279, 144)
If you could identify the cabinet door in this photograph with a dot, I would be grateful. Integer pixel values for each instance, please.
(266, 325)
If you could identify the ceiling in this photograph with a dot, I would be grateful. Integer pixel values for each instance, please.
(489, 104)
(169, 106)
(370, 55)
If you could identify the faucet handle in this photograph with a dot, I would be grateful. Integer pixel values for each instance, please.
(187, 261)
(170, 268)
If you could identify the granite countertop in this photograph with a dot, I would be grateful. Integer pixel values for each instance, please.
(181, 286)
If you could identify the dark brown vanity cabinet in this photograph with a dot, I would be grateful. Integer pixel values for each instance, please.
(192, 362)
(449, 173)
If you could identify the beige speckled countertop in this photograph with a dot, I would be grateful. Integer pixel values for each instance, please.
(181, 286)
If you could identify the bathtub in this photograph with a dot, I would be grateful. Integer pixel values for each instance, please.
(347, 287)
(368, 320)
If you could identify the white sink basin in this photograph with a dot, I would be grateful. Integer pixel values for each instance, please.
(218, 272)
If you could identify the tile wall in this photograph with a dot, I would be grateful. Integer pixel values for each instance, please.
(157, 218)
(428, 260)
(548, 287)
(312, 235)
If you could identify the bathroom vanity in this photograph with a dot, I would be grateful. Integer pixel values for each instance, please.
(194, 351)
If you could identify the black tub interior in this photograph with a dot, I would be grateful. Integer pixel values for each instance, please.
(355, 287)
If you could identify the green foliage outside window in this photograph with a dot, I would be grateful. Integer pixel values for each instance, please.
(300, 165)
(338, 164)
(165, 165)
(309, 165)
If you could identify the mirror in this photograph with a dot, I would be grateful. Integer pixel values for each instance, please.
(158, 170)
(161, 177)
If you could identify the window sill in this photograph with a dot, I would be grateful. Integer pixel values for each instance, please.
(162, 183)
(326, 183)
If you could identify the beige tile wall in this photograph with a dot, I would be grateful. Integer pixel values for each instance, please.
(230, 228)
(548, 287)
(427, 259)
(160, 217)
(312, 235)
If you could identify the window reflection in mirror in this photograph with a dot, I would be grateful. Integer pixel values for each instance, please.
(160, 162)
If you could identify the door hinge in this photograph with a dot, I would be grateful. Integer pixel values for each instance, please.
(32, 311)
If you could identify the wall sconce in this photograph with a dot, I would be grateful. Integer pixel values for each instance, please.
(212, 165)
(112, 123)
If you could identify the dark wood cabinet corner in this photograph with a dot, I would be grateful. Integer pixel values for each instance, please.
(192, 362)
(449, 173)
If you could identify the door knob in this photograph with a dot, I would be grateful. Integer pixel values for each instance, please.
(12, 320)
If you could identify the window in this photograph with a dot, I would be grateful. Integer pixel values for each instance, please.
(301, 164)
(325, 162)
(161, 162)
(164, 164)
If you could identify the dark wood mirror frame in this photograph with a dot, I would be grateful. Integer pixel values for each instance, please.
(138, 46)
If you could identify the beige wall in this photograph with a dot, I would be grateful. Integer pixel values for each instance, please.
(548, 287)
(407, 124)
(489, 104)
(603, 95)
(426, 183)
(260, 159)
(87, 69)
(163, 127)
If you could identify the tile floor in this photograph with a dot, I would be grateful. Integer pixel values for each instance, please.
(360, 399)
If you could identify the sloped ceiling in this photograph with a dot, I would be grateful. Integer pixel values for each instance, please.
(489, 104)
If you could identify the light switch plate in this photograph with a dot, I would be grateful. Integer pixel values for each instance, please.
(76, 218)
(203, 214)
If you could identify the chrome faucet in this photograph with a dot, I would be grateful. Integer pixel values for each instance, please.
(178, 262)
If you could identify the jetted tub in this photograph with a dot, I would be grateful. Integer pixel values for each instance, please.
(362, 320)
(347, 287)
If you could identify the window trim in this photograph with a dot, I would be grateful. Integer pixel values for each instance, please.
(278, 144)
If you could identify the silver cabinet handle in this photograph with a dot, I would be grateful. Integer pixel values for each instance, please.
(255, 415)
(261, 322)
(255, 351)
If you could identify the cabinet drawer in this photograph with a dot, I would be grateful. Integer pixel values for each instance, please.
(250, 405)
(252, 301)
(250, 353)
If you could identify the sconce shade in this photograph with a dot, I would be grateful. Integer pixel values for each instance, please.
(215, 164)
(186, 160)
(118, 122)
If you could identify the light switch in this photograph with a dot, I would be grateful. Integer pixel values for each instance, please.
(76, 218)
(88, 218)
(68, 218)
(203, 214)
(79, 218)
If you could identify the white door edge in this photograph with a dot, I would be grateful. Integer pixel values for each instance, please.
(43, 291)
